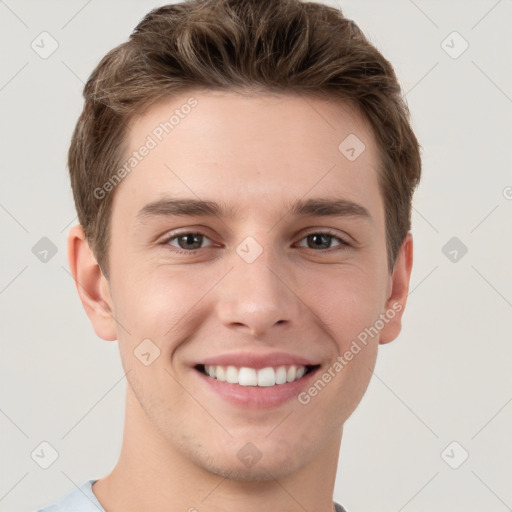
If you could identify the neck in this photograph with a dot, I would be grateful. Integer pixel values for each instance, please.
(151, 474)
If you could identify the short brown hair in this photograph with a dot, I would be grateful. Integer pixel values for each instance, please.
(275, 45)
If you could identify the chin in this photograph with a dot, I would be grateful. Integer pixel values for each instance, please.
(262, 471)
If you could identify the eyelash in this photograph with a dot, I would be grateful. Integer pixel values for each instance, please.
(342, 242)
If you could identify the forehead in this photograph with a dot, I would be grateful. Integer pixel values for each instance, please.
(249, 148)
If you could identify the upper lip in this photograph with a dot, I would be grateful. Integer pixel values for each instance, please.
(257, 361)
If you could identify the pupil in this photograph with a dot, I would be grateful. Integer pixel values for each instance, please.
(317, 240)
(189, 240)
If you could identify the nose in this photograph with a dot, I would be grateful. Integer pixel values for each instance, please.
(256, 297)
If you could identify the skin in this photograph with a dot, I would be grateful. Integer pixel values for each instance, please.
(254, 153)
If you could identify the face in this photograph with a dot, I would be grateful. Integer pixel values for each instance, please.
(278, 273)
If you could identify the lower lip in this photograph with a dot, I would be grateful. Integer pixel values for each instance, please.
(257, 397)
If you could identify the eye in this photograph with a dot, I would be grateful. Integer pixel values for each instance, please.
(322, 240)
(188, 242)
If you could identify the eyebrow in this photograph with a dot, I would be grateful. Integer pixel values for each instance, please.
(321, 207)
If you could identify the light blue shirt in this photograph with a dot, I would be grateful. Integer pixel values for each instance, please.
(82, 499)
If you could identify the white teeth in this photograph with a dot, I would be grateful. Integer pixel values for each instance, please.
(247, 377)
(281, 375)
(221, 373)
(300, 372)
(231, 375)
(264, 377)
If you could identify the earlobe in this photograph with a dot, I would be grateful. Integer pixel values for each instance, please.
(91, 284)
(395, 304)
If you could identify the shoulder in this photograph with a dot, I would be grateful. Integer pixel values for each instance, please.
(339, 508)
(80, 499)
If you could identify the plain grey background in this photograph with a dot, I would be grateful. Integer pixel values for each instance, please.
(441, 392)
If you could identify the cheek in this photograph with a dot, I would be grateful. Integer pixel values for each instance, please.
(346, 302)
(346, 306)
(161, 304)
(158, 310)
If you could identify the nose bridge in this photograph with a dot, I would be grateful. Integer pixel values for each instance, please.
(255, 294)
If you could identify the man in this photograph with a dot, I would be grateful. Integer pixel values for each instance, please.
(243, 174)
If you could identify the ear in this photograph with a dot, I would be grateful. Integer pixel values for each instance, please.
(397, 292)
(92, 286)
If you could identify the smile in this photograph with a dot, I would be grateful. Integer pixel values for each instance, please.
(262, 377)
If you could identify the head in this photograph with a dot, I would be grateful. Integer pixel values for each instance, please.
(280, 113)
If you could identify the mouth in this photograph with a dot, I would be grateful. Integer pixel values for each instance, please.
(270, 376)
